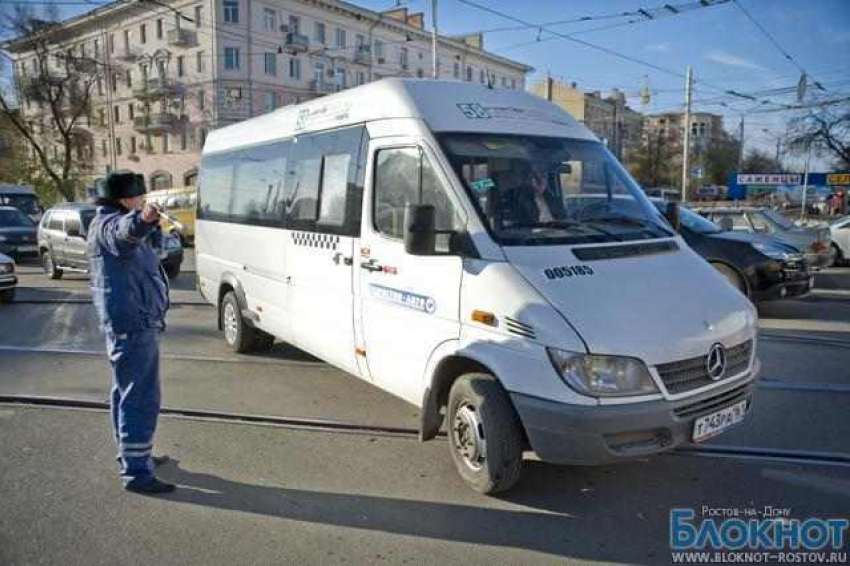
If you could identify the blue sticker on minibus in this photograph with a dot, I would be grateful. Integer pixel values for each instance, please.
(404, 298)
(482, 185)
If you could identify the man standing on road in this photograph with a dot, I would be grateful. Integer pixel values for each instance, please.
(130, 294)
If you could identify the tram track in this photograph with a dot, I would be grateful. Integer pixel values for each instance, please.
(750, 453)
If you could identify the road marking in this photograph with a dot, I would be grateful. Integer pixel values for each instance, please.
(770, 383)
(803, 325)
(175, 357)
(804, 457)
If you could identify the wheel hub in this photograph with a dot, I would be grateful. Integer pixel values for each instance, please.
(468, 436)
(231, 324)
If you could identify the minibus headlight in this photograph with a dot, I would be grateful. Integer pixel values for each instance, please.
(603, 376)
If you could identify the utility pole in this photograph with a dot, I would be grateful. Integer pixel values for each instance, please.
(806, 181)
(741, 145)
(686, 173)
(550, 86)
(434, 70)
(109, 109)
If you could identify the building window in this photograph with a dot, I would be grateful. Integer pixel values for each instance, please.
(295, 68)
(116, 111)
(481, 78)
(117, 146)
(379, 49)
(103, 147)
(504, 82)
(100, 86)
(131, 111)
(231, 11)
(114, 82)
(165, 143)
(341, 76)
(270, 101)
(270, 19)
(294, 24)
(184, 141)
(231, 58)
(128, 78)
(420, 73)
(360, 40)
(361, 78)
(199, 62)
(202, 100)
(320, 34)
(469, 74)
(110, 43)
(83, 50)
(270, 64)
(181, 67)
(403, 57)
(340, 38)
(97, 49)
(197, 16)
(159, 29)
(133, 144)
(513, 84)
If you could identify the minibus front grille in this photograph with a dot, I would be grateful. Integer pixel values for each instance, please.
(628, 250)
(685, 375)
(519, 328)
(714, 403)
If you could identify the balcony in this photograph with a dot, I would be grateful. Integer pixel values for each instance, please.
(155, 123)
(157, 88)
(128, 54)
(324, 87)
(296, 43)
(363, 54)
(180, 37)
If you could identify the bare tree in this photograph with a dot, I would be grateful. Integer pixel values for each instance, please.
(825, 128)
(52, 97)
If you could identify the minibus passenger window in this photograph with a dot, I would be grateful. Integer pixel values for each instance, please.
(334, 189)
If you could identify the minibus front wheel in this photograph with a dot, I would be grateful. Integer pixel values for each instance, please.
(485, 435)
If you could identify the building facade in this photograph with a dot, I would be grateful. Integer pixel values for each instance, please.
(706, 128)
(609, 117)
(171, 71)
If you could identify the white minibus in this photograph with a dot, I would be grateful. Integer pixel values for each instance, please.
(479, 254)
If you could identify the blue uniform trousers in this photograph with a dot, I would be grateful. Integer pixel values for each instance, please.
(135, 401)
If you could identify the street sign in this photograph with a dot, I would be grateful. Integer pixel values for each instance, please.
(697, 172)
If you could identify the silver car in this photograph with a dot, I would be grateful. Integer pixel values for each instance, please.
(813, 242)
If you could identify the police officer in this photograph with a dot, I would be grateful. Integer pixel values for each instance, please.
(130, 294)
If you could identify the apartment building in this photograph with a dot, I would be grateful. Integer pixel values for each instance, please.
(609, 117)
(169, 72)
(706, 128)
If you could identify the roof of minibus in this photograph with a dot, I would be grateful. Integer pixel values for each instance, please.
(445, 106)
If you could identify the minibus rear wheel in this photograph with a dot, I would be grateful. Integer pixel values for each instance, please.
(237, 333)
(485, 435)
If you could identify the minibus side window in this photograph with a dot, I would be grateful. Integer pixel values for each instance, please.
(259, 185)
(405, 175)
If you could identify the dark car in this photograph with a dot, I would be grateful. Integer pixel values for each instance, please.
(8, 280)
(62, 241)
(762, 267)
(17, 234)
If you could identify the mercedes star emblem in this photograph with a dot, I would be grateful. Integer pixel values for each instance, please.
(716, 362)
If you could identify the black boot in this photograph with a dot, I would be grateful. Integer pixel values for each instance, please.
(152, 486)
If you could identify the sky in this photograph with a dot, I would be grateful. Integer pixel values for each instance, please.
(725, 49)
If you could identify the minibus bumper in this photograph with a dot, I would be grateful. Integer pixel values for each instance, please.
(603, 434)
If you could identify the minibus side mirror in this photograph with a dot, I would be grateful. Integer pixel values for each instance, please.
(671, 213)
(420, 229)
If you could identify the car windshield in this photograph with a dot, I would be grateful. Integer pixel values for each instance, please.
(779, 219)
(533, 190)
(693, 221)
(26, 203)
(86, 217)
(10, 218)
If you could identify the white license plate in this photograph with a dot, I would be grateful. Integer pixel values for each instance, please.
(715, 423)
(25, 249)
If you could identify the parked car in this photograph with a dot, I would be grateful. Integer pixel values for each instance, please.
(711, 193)
(813, 242)
(759, 266)
(17, 233)
(665, 193)
(62, 241)
(179, 203)
(839, 247)
(23, 198)
(8, 280)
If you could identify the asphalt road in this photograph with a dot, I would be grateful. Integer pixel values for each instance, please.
(278, 494)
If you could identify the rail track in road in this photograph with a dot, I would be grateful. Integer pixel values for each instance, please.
(785, 456)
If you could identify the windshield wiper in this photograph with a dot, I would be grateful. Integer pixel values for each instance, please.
(647, 225)
(572, 225)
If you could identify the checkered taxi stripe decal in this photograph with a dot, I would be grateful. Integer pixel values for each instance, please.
(314, 240)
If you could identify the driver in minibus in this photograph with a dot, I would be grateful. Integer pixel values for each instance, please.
(535, 201)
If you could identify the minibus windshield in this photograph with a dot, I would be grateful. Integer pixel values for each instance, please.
(534, 190)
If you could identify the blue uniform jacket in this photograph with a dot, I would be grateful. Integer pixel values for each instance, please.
(129, 287)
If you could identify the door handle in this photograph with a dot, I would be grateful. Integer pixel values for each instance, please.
(338, 257)
(371, 265)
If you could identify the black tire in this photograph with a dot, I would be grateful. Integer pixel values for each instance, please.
(836, 258)
(49, 264)
(7, 296)
(478, 405)
(172, 271)
(237, 333)
(733, 277)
